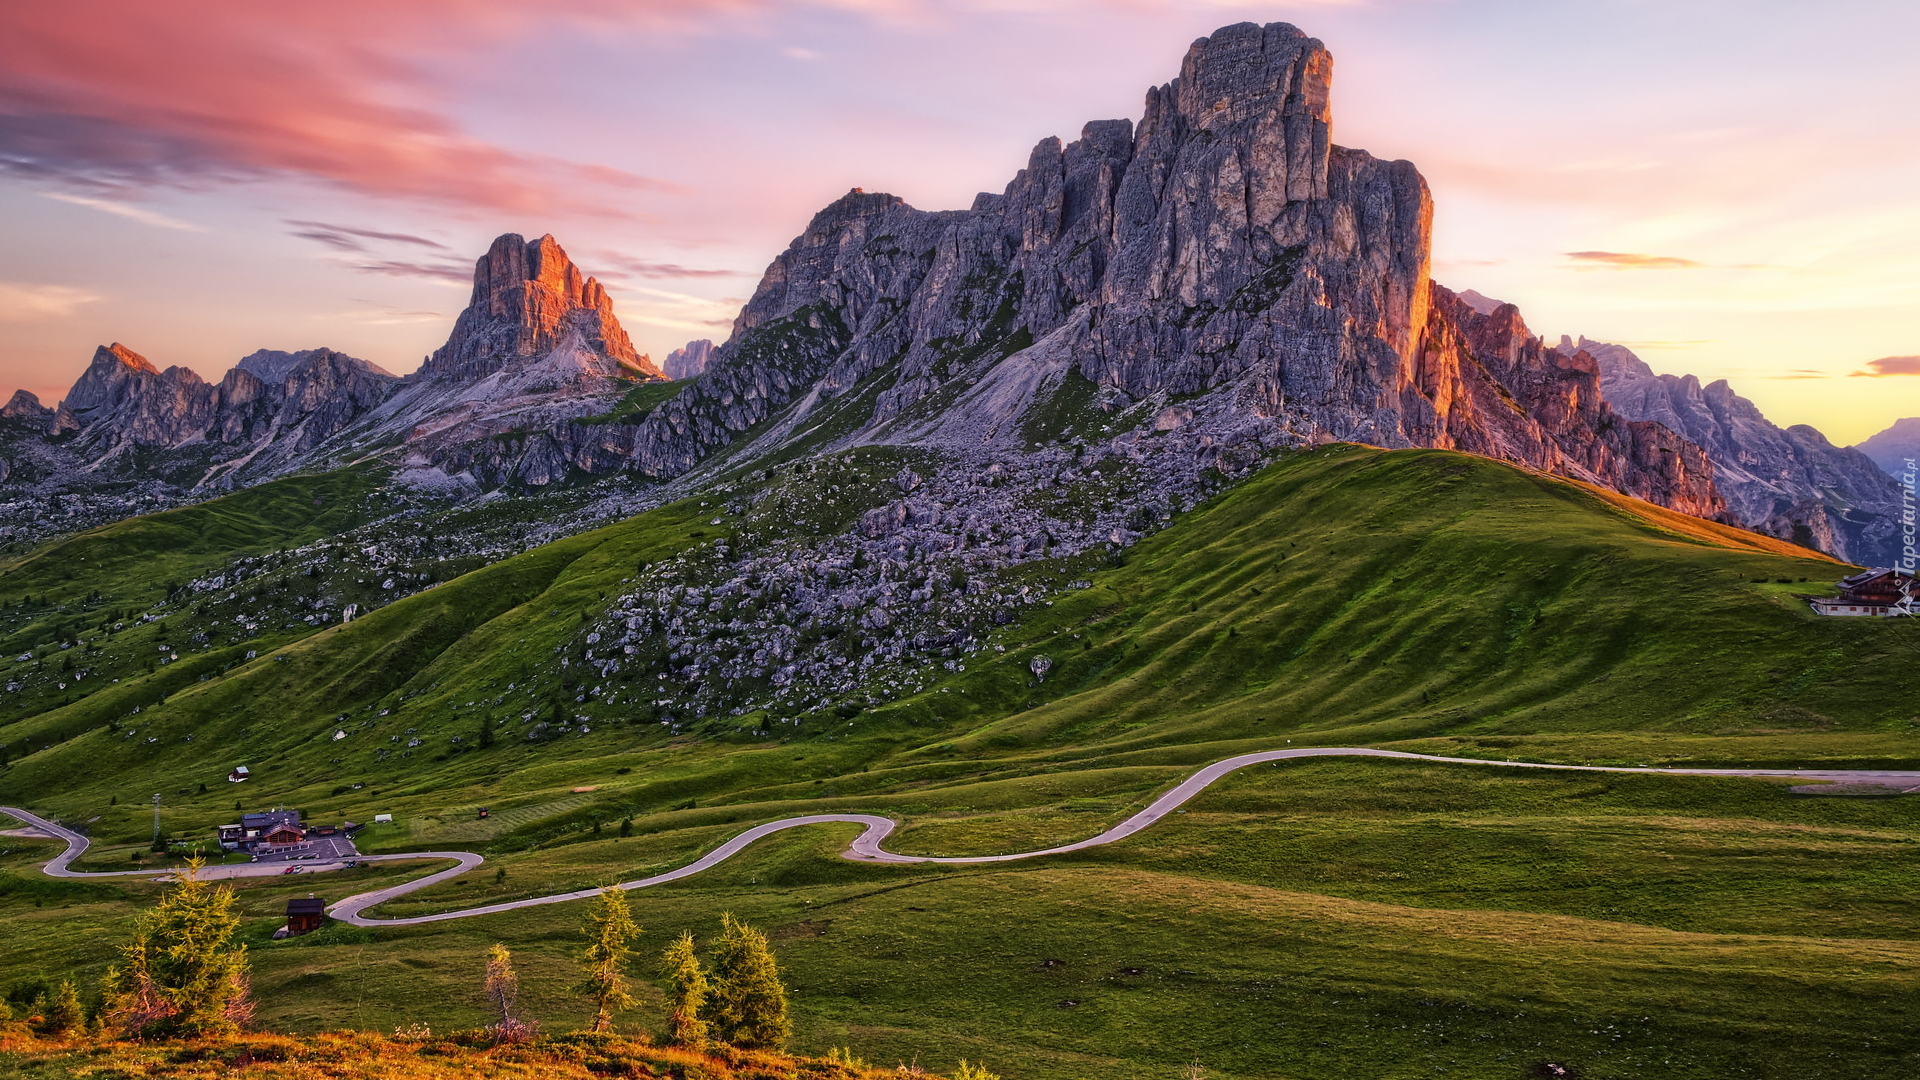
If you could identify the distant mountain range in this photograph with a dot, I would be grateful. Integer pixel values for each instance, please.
(1787, 482)
(1192, 292)
(1893, 448)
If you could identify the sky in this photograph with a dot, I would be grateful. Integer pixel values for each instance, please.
(1726, 186)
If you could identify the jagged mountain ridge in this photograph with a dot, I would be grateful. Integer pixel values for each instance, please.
(1890, 449)
(1786, 482)
(1221, 270)
(124, 417)
(538, 344)
(1222, 251)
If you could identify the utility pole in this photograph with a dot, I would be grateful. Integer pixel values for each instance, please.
(156, 817)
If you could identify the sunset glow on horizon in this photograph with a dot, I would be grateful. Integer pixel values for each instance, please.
(1726, 188)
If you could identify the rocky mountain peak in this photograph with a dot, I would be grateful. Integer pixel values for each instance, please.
(1272, 78)
(1221, 251)
(1891, 448)
(110, 377)
(24, 405)
(530, 301)
(685, 363)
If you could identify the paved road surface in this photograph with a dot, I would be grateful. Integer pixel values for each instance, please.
(866, 847)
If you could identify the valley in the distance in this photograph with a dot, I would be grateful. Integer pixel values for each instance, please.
(990, 527)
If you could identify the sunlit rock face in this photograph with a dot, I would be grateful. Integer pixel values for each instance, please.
(537, 349)
(530, 300)
(1223, 248)
(1788, 482)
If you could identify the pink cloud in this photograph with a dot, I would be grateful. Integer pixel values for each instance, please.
(1890, 365)
(114, 94)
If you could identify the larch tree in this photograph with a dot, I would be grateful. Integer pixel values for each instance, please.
(181, 975)
(687, 991)
(609, 928)
(502, 990)
(747, 1006)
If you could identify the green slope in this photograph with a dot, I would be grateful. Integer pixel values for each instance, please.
(1348, 595)
(1331, 918)
(132, 562)
(1357, 594)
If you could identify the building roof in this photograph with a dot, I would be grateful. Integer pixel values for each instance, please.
(1873, 574)
(270, 818)
(306, 905)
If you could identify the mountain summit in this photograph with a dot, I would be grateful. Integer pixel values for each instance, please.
(1220, 267)
(530, 301)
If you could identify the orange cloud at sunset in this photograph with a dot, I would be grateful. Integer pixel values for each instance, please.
(1621, 260)
(1891, 365)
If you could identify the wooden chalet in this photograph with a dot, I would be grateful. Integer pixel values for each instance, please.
(1876, 592)
(260, 830)
(305, 914)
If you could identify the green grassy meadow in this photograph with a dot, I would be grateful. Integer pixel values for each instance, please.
(1333, 918)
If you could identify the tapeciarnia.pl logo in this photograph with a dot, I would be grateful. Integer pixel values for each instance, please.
(1907, 528)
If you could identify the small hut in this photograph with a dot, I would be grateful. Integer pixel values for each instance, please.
(305, 914)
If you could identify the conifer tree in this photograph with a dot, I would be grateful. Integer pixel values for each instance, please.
(609, 927)
(65, 1016)
(687, 991)
(747, 1006)
(502, 989)
(181, 975)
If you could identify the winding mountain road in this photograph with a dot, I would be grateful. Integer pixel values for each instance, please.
(866, 847)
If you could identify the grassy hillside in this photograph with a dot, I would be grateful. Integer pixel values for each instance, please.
(132, 563)
(1344, 918)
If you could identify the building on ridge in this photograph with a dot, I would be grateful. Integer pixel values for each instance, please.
(1877, 592)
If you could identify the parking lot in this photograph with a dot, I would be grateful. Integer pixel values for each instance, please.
(322, 849)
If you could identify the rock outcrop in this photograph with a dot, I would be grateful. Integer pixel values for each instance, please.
(1891, 449)
(25, 406)
(537, 351)
(531, 302)
(685, 363)
(1223, 247)
(1787, 482)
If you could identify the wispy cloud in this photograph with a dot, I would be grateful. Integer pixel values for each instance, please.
(629, 266)
(449, 272)
(1890, 365)
(1628, 260)
(32, 303)
(378, 314)
(348, 238)
(131, 213)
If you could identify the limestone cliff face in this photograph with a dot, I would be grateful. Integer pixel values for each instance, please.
(1223, 247)
(1788, 482)
(528, 300)
(537, 349)
(685, 363)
